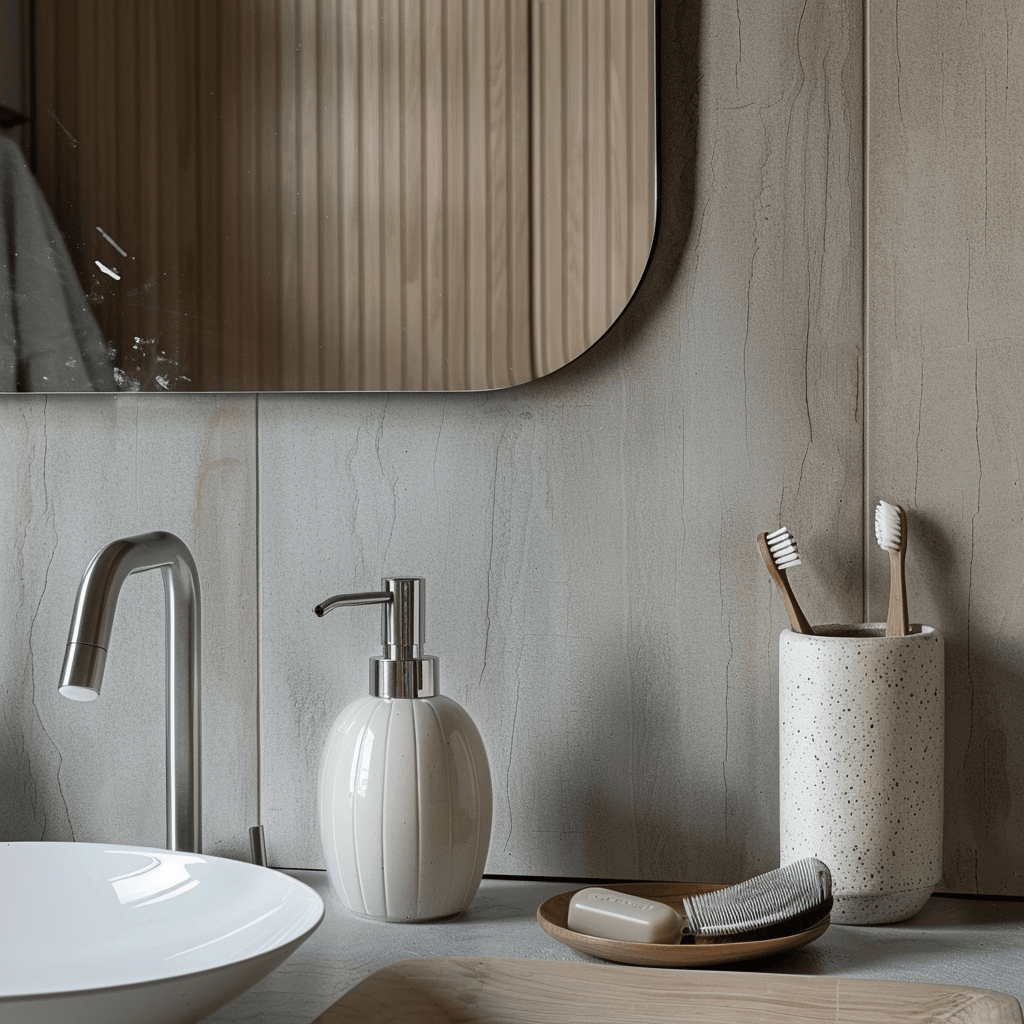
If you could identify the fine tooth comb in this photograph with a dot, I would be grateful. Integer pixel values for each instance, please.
(891, 534)
(787, 900)
(778, 549)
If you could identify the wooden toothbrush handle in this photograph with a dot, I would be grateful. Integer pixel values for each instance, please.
(897, 624)
(797, 619)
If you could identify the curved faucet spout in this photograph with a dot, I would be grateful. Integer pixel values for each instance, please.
(89, 639)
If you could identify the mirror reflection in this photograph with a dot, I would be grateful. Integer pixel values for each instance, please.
(335, 195)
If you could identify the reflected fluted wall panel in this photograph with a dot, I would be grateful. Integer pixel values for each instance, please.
(349, 194)
(334, 196)
(593, 168)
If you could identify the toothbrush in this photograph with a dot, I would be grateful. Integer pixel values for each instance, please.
(778, 549)
(891, 534)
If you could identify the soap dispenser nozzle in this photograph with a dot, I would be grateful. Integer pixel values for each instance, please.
(403, 670)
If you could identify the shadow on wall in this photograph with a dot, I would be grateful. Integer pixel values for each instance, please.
(984, 707)
(678, 105)
(981, 672)
(678, 112)
(660, 837)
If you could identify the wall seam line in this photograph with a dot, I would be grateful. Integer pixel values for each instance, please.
(259, 616)
(867, 532)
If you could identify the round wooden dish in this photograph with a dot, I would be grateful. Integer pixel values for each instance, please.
(552, 916)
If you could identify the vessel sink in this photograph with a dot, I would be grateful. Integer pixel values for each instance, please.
(95, 933)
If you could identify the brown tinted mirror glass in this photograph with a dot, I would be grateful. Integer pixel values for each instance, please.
(331, 195)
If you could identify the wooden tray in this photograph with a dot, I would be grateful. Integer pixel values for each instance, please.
(471, 990)
(553, 913)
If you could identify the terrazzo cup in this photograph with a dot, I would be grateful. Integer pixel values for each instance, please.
(861, 731)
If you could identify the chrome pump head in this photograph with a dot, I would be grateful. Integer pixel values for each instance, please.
(403, 671)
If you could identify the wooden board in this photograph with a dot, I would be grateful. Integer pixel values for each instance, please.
(488, 991)
(553, 913)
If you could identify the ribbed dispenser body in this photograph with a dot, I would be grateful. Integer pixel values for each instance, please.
(405, 808)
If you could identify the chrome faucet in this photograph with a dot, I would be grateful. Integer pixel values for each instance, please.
(86, 655)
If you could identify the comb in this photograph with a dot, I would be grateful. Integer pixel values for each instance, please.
(780, 902)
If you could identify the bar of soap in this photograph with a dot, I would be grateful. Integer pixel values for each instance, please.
(614, 915)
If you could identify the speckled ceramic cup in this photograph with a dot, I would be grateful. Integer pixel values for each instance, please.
(861, 731)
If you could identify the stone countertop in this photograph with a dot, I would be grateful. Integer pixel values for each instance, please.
(979, 943)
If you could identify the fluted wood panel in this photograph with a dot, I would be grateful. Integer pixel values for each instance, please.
(336, 194)
(593, 167)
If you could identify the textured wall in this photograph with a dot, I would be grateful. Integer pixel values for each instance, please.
(80, 471)
(593, 587)
(947, 386)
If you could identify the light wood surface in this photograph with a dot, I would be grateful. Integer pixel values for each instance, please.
(553, 913)
(489, 991)
(897, 622)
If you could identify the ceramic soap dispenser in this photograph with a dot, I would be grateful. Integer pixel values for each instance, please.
(404, 787)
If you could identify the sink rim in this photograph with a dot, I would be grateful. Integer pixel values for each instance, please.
(279, 951)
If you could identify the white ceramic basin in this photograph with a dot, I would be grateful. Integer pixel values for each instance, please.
(102, 934)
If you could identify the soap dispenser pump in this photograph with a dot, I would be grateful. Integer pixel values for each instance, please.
(404, 787)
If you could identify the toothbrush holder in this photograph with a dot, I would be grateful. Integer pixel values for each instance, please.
(861, 737)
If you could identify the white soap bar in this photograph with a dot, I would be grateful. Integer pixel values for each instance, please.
(614, 915)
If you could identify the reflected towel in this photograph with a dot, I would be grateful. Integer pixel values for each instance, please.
(49, 339)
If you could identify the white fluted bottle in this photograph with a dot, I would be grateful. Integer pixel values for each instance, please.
(404, 787)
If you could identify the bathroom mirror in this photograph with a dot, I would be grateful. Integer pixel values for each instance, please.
(345, 195)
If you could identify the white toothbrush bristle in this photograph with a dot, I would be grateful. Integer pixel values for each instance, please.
(782, 548)
(887, 526)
